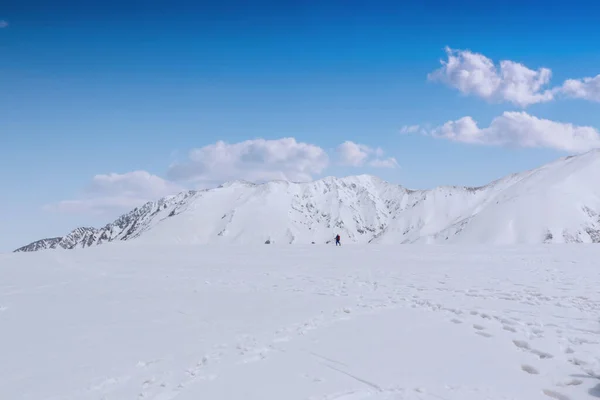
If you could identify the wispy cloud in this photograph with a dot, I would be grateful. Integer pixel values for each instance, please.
(389, 162)
(519, 129)
(410, 129)
(113, 193)
(3, 24)
(357, 155)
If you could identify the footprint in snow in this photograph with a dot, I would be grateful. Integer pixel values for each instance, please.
(529, 369)
(479, 330)
(509, 328)
(555, 395)
(523, 345)
(578, 362)
(572, 382)
(541, 354)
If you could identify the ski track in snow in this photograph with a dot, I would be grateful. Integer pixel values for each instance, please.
(269, 310)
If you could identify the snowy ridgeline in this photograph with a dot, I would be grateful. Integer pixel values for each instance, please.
(131, 321)
(556, 203)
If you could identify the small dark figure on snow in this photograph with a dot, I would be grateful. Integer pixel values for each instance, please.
(337, 240)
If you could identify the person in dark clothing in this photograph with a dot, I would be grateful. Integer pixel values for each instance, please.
(337, 240)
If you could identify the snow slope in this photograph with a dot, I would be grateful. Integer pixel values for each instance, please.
(134, 321)
(283, 212)
(556, 203)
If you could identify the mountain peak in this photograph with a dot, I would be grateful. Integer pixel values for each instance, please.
(236, 182)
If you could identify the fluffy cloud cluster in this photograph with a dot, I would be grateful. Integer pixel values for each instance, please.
(475, 74)
(509, 81)
(519, 129)
(256, 160)
(252, 160)
(358, 155)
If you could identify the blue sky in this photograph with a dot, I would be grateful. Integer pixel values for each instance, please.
(108, 104)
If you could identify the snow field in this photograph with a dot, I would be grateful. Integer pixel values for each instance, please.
(130, 321)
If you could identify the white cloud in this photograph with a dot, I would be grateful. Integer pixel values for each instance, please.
(3, 24)
(519, 129)
(389, 162)
(475, 74)
(356, 155)
(353, 154)
(410, 129)
(252, 160)
(586, 88)
(118, 192)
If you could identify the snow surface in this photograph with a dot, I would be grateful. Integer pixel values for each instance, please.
(132, 321)
(556, 203)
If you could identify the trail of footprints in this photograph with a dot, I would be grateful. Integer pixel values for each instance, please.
(246, 350)
(249, 350)
(510, 325)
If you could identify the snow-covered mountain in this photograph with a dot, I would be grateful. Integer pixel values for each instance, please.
(126, 227)
(556, 203)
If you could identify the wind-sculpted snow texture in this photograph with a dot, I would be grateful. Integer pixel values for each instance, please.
(556, 203)
(301, 322)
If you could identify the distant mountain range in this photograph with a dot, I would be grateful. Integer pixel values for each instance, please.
(555, 203)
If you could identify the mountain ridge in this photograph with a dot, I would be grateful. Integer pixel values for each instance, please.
(558, 202)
